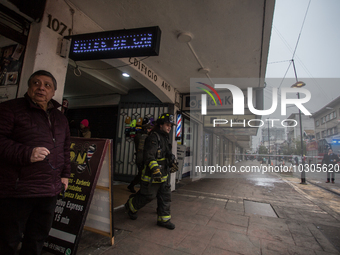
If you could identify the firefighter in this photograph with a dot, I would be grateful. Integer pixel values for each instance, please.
(139, 141)
(159, 162)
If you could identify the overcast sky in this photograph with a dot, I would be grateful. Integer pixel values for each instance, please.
(317, 55)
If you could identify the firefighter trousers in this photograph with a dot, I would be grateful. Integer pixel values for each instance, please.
(147, 193)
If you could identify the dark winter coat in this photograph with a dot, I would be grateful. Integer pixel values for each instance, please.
(331, 159)
(24, 126)
(153, 159)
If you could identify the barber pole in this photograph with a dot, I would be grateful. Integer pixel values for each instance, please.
(179, 126)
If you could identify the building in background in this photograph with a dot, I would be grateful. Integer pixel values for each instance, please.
(275, 137)
(327, 127)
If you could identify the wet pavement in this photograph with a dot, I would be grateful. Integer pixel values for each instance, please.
(236, 213)
(319, 179)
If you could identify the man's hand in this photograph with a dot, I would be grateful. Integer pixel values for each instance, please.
(39, 154)
(64, 181)
(157, 175)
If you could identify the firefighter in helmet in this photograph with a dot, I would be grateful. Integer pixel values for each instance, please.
(159, 162)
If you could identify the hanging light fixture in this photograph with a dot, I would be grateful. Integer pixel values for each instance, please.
(298, 84)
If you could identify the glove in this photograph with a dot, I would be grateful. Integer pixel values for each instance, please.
(157, 175)
(174, 167)
(174, 164)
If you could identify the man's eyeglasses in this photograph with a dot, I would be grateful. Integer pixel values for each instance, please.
(48, 161)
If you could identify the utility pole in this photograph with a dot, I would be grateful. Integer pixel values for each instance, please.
(268, 145)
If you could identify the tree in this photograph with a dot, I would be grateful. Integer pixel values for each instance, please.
(287, 149)
(263, 149)
(297, 143)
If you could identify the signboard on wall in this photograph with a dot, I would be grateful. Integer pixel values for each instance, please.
(116, 44)
(192, 102)
(312, 145)
(87, 156)
(181, 151)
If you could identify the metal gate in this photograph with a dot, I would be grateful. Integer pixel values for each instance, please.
(125, 167)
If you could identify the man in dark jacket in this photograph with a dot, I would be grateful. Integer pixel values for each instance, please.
(34, 165)
(156, 173)
(330, 159)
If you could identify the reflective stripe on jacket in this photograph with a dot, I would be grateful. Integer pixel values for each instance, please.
(156, 149)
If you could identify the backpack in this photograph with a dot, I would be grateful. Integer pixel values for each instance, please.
(139, 145)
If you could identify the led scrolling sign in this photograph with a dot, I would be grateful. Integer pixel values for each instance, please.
(123, 43)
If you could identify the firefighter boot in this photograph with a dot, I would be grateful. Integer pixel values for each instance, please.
(131, 188)
(168, 224)
(133, 216)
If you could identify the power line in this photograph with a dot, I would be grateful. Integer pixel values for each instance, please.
(290, 63)
(318, 86)
(303, 23)
(275, 62)
(294, 53)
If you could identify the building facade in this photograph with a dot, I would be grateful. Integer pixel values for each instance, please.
(96, 90)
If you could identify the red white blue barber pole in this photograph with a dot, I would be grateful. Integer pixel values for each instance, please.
(179, 126)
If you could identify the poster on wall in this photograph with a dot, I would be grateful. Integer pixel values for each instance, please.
(10, 64)
(87, 156)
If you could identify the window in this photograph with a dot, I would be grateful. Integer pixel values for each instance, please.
(323, 120)
(317, 123)
(328, 131)
(327, 117)
(318, 135)
(334, 115)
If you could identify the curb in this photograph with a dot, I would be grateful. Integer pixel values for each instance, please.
(329, 190)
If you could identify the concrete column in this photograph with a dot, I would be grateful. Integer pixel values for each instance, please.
(59, 20)
(42, 45)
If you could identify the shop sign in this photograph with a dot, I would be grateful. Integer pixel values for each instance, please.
(122, 43)
(150, 74)
(311, 146)
(87, 156)
(193, 102)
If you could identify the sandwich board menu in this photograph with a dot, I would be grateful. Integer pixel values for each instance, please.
(87, 157)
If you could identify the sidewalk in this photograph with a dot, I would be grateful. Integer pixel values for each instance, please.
(217, 216)
(319, 179)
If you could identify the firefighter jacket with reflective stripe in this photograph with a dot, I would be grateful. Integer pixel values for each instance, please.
(157, 149)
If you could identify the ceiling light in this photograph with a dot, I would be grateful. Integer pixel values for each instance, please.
(184, 37)
(125, 74)
(204, 70)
